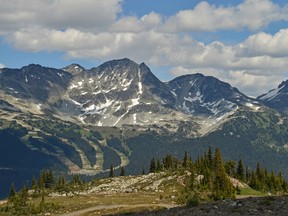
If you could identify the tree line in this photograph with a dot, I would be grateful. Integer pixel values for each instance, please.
(209, 172)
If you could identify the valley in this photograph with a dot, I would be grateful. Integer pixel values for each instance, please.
(82, 121)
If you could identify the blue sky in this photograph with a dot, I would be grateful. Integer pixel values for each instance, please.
(243, 42)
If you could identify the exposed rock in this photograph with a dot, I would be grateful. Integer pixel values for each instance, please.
(263, 206)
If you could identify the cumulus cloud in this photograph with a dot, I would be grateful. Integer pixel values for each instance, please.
(252, 14)
(2, 66)
(134, 24)
(155, 47)
(58, 14)
(265, 44)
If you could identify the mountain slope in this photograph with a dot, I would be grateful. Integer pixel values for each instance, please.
(34, 82)
(204, 95)
(277, 98)
(119, 113)
(120, 92)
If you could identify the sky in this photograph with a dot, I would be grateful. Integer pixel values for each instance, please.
(242, 42)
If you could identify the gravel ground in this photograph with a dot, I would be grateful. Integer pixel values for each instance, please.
(273, 205)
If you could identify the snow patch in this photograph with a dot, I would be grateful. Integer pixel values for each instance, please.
(125, 83)
(73, 86)
(95, 93)
(135, 118)
(134, 102)
(272, 94)
(174, 93)
(38, 106)
(75, 102)
(249, 105)
(93, 109)
(198, 97)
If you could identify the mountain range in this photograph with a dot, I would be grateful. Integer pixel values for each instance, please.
(119, 113)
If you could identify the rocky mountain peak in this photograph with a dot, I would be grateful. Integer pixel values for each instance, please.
(34, 82)
(277, 98)
(74, 69)
(205, 95)
(283, 85)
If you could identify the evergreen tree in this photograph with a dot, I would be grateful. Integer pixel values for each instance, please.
(240, 171)
(49, 179)
(185, 160)
(247, 174)
(152, 166)
(122, 171)
(41, 181)
(230, 168)
(111, 174)
(254, 181)
(210, 157)
(12, 193)
(24, 195)
(222, 186)
(76, 180)
(34, 183)
(158, 166)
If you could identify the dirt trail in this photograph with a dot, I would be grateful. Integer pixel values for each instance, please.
(114, 206)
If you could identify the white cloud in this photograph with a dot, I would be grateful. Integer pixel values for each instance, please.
(2, 66)
(266, 44)
(153, 47)
(99, 15)
(58, 14)
(252, 14)
(133, 24)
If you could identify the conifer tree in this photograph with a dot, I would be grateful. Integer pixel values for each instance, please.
(122, 171)
(12, 193)
(49, 179)
(111, 174)
(152, 166)
(230, 168)
(222, 186)
(158, 166)
(24, 195)
(210, 155)
(34, 183)
(185, 160)
(240, 171)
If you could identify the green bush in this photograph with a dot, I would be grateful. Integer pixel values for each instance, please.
(193, 201)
